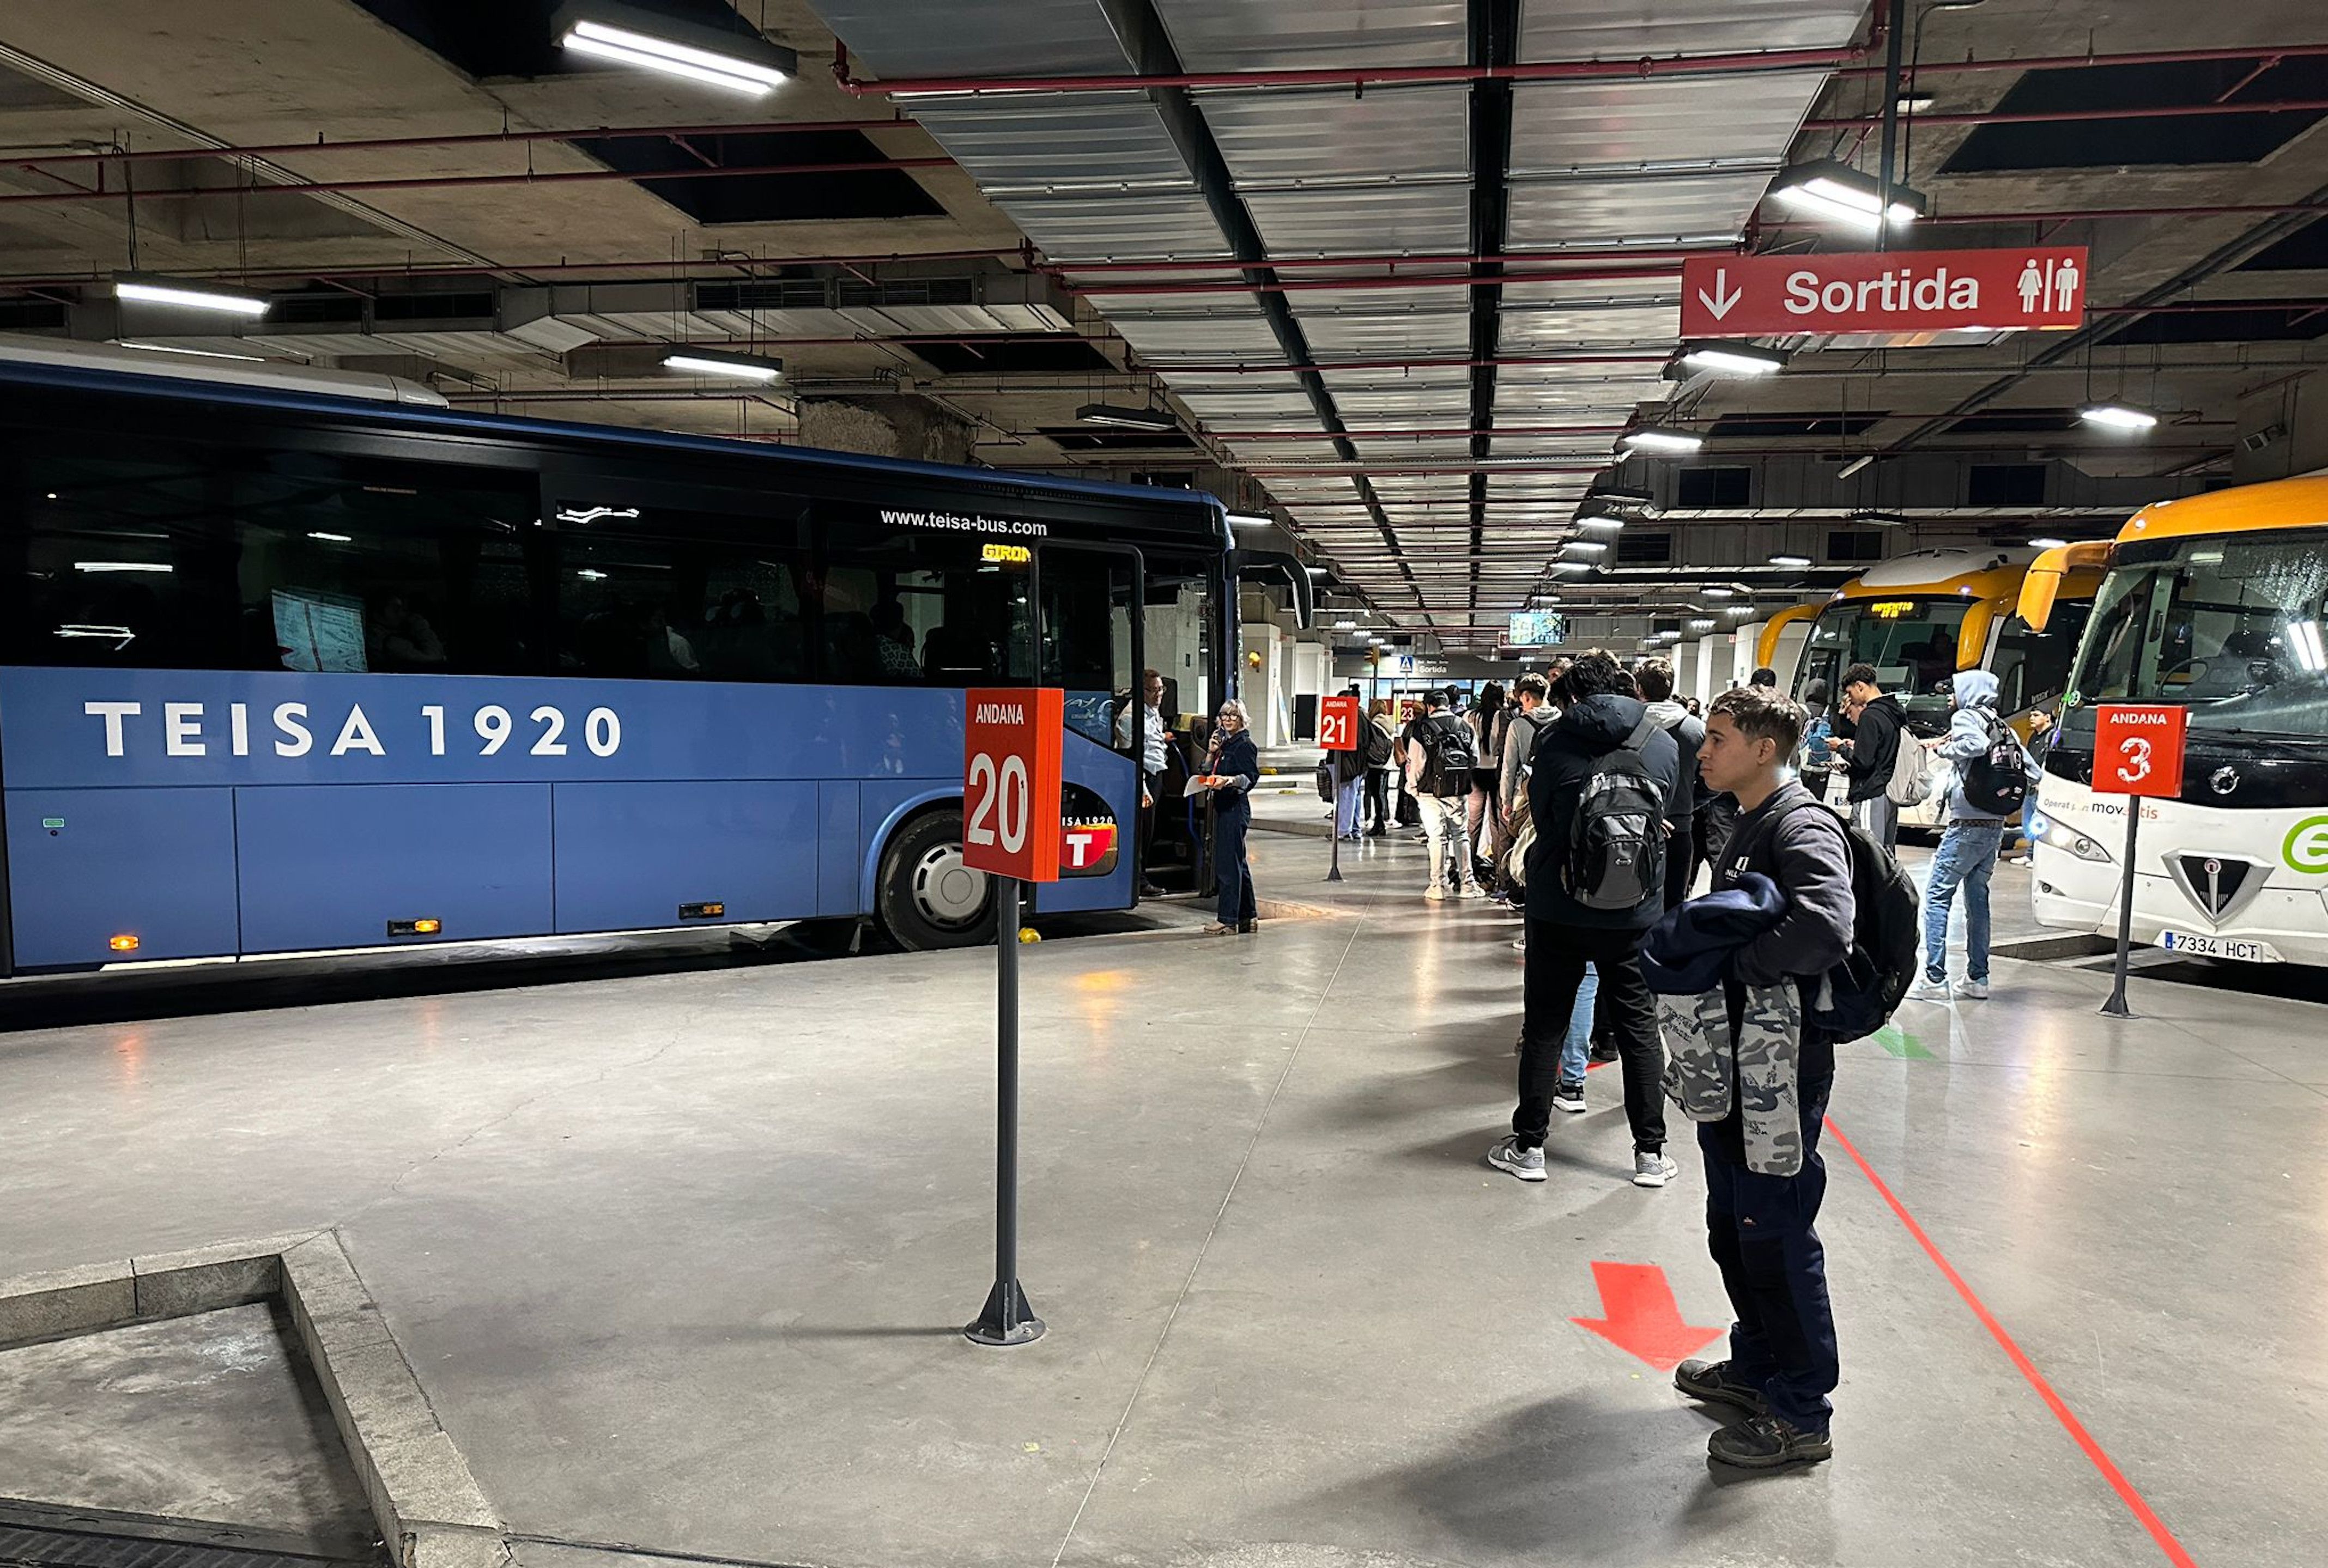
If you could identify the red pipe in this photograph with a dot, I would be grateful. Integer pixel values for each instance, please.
(1450, 259)
(2091, 214)
(455, 182)
(1417, 433)
(2080, 61)
(1321, 284)
(2045, 117)
(468, 139)
(1743, 61)
(1241, 369)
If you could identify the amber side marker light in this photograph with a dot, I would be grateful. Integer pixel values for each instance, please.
(125, 943)
(712, 911)
(415, 927)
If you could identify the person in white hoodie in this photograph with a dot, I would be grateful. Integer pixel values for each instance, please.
(1967, 857)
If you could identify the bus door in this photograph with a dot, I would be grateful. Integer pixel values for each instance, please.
(1091, 642)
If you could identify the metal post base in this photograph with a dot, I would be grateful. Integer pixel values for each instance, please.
(1008, 1320)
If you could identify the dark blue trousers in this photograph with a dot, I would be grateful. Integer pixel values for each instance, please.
(1231, 874)
(1759, 1229)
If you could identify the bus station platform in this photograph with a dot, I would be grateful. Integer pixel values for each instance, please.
(673, 1266)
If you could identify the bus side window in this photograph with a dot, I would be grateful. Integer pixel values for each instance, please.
(912, 606)
(683, 592)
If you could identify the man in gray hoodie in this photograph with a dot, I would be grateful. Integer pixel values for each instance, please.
(1967, 857)
(1656, 678)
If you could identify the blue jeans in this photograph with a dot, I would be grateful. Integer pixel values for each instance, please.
(1965, 858)
(1574, 1050)
(1233, 875)
(1760, 1230)
(1346, 808)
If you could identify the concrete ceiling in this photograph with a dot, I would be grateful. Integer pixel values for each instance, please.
(1214, 249)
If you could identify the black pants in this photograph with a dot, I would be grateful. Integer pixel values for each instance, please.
(1230, 868)
(1556, 957)
(1681, 860)
(1378, 800)
(1760, 1230)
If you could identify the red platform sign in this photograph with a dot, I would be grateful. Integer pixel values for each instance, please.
(1884, 291)
(1010, 782)
(2138, 749)
(1337, 723)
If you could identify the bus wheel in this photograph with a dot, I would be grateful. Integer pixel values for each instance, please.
(927, 897)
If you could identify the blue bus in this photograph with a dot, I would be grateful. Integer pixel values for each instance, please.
(290, 668)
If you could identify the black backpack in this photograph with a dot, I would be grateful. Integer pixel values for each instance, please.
(1447, 743)
(1861, 993)
(1614, 857)
(1996, 782)
(1374, 746)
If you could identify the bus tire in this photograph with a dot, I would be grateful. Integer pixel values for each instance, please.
(925, 898)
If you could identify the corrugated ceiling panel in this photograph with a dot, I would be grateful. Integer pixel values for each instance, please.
(1559, 126)
(1279, 139)
(1686, 209)
(1569, 325)
(1252, 410)
(1108, 141)
(1102, 228)
(1593, 292)
(1235, 338)
(1368, 220)
(1387, 337)
(1434, 404)
(1282, 34)
(975, 37)
(1628, 29)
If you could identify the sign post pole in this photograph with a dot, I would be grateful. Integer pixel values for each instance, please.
(2137, 754)
(1012, 832)
(1337, 730)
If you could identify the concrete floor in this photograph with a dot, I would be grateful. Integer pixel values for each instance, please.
(679, 1258)
(212, 1417)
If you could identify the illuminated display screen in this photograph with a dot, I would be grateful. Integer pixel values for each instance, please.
(1538, 629)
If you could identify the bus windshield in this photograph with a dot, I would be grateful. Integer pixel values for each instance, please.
(1910, 641)
(2230, 625)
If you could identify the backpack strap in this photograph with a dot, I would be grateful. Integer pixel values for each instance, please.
(1641, 733)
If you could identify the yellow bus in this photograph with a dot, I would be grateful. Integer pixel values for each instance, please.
(2216, 603)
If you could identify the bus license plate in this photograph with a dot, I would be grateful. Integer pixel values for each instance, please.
(2220, 947)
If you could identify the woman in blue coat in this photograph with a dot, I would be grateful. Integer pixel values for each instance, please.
(1235, 768)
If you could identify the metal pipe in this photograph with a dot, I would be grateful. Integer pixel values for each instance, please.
(455, 182)
(2089, 214)
(1250, 368)
(1423, 433)
(1425, 258)
(1717, 64)
(661, 264)
(2081, 62)
(2047, 117)
(1327, 284)
(465, 139)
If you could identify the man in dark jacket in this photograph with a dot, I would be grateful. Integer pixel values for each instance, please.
(1782, 1362)
(1872, 752)
(1601, 716)
(1656, 679)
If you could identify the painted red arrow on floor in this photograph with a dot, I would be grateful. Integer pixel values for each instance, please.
(1642, 1316)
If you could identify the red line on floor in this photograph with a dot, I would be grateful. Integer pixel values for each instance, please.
(2093, 1451)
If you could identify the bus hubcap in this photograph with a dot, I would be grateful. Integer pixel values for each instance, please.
(948, 892)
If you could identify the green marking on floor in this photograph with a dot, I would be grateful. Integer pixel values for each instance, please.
(1900, 1043)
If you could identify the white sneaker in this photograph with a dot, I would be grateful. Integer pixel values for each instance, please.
(1519, 944)
(1473, 891)
(1569, 1097)
(1653, 1170)
(1929, 991)
(1435, 893)
(1977, 989)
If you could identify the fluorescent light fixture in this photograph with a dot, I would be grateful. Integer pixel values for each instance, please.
(2303, 642)
(2118, 416)
(147, 288)
(1586, 546)
(122, 567)
(591, 575)
(1660, 438)
(1915, 103)
(741, 63)
(738, 367)
(1377, 638)
(1873, 519)
(1722, 593)
(1346, 625)
(1791, 560)
(1600, 523)
(1737, 609)
(2047, 544)
(1250, 520)
(334, 538)
(1837, 191)
(191, 354)
(1571, 565)
(1127, 418)
(1859, 465)
(1733, 359)
(1703, 624)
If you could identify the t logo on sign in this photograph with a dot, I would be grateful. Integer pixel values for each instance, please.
(1010, 782)
(1337, 723)
(2138, 749)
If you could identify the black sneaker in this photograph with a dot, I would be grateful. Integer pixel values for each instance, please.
(1604, 1051)
(1765, 1442)
(1711, 1381)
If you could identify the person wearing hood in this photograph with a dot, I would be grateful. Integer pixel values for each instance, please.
(1656, 679)
(1879, 728)
(1600, 787)
(1969, 846)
